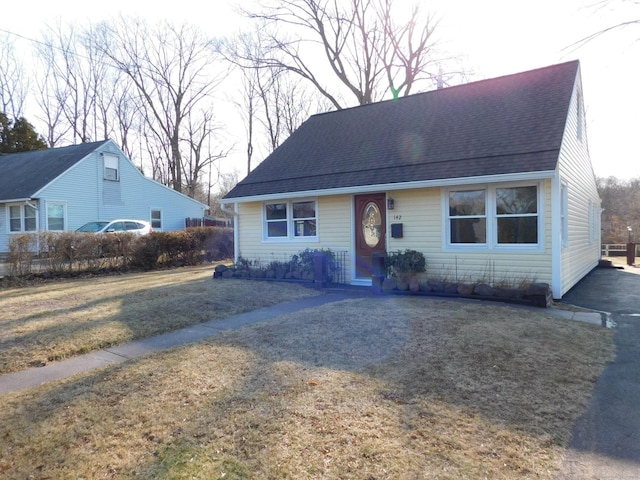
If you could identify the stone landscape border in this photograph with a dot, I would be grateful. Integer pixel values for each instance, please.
(536, 294)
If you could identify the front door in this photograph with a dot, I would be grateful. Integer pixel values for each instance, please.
(370, 230)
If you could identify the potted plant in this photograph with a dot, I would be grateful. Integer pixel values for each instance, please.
(404, 266)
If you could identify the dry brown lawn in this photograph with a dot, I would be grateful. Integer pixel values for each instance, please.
(369, 388)
(55, 320)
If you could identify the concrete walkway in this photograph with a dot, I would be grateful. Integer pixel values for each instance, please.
(32, 377)
(14, 382)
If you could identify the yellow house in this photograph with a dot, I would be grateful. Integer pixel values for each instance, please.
(490, 180)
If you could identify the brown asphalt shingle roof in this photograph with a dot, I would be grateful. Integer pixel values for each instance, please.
(510, 124)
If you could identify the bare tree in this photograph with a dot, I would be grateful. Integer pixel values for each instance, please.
(13, 80)
(76, 74)
(285, 102)
(225, 181)
(48, 98)
(125, 113)
(599, 7)
(405, 66)
(52, 93)
(171, 69)
(200, 130)
(369, 51)
(621, 209)
(248, 108)
(247, 104)
(270, 97)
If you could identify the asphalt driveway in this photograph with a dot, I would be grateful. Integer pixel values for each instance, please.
(606, 439)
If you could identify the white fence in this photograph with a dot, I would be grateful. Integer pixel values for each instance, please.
(616, 249)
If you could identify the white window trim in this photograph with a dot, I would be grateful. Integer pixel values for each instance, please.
(161, 218)
(64, 215)
(22, 218)
(492, 244)
(291, 237)
(110, 157)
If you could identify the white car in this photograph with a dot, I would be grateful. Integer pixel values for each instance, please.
(139, 227)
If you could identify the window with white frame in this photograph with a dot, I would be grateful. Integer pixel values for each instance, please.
(517, 215)
(55, 216)
(467, 216)
(111, 167)
(22, 218)
(493, 217)
(156, 219)
(290, 220)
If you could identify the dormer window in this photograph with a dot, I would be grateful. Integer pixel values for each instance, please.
(111, 167)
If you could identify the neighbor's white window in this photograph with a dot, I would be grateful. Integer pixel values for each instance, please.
(111, 167)
(156, 219)
(493, 217)
(290, 220)
(22, 218)
(55, 216)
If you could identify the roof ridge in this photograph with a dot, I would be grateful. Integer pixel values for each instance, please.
(445, 89)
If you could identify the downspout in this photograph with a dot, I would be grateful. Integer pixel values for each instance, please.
(236, 232)
(35, 207)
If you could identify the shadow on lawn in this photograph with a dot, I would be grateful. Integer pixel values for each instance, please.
(311, 385)
(68, 332)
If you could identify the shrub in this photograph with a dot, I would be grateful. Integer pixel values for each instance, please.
(304, 260)
(76, 251)
(218, 243)
(21, 248)
(148, 251)
(404, 265)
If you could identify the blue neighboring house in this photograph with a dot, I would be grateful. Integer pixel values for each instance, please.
(60, 189)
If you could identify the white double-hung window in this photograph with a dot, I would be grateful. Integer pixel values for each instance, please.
(111, 167)
(56, 216)
(290, 220)
(493, 217)
(22, 218)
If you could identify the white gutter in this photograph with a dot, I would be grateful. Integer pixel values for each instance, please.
(16, 200)
(445, 182)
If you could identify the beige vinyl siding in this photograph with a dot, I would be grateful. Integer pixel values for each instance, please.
(333, 229)
(422, 215)
(583, 250)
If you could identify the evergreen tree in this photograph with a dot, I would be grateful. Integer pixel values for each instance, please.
(18, 136)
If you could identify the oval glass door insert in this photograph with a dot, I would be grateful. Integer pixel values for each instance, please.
(371, 224)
